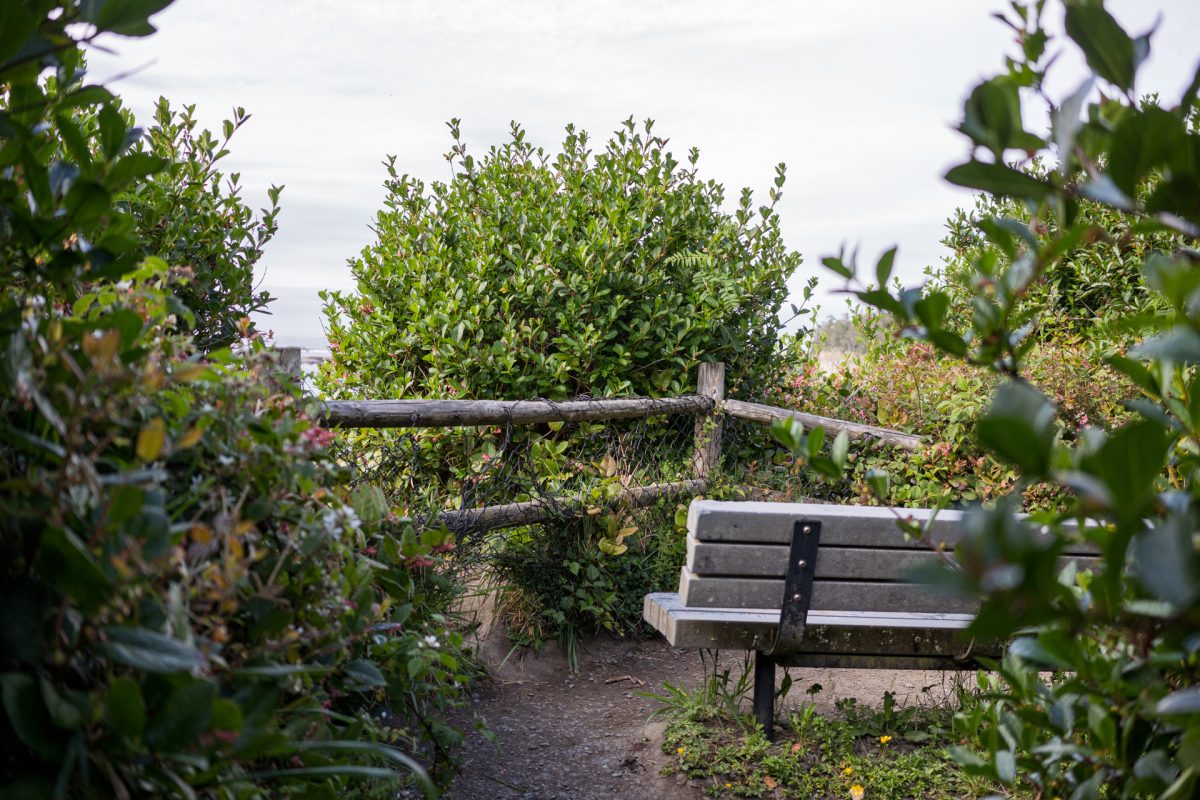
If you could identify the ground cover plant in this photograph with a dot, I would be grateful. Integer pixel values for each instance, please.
(192, 600)
(891, 751)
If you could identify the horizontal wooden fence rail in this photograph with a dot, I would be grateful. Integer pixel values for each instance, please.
(708, 405)
(508, 515)
(454, 413)
(757, 412)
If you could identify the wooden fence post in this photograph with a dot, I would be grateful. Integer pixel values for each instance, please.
(289, 370)
(710, 382)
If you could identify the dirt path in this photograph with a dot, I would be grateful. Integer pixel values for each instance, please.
(586, 736)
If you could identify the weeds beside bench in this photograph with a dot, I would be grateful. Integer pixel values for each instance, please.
(809, 585)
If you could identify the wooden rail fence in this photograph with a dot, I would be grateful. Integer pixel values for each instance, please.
(708, 405)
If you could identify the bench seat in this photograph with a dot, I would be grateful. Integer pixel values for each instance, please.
(834, 639)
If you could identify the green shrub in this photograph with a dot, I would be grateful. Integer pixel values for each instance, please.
(589, 272)
(569, 580)
(219, 240)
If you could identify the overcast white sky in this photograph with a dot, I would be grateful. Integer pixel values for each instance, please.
(857, 96)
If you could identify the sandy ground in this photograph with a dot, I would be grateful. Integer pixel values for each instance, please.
(586, 736)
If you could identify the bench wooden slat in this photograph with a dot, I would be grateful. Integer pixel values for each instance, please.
(846, 639)
(846, 526)
(700, 591)
(770, 561)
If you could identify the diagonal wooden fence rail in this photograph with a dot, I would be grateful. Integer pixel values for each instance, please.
(708, 405)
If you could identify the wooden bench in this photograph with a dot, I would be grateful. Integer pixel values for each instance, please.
(816, 586)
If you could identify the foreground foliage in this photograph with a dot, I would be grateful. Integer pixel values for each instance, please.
(191, 601)
(1125, 719)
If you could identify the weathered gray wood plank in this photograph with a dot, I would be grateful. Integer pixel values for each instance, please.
(852, 640)
(528, 512)
(452, 413)
(699, 591)
(847, 526)
(714, 559)
(710, 382)
(758, 412)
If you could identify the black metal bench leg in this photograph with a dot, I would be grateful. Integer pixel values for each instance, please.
(764, 693)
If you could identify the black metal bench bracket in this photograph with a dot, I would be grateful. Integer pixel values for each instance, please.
(797, 590)
(793, 616)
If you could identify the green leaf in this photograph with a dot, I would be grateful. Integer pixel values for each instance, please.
(999, 179)
(17, 25)
(87, 202)
(1103, 190)
(1108, 49)
(87, 96)
(838, 266)
(883, 269)
(370, 503)
(227, 716)
(840, 450)
(1164, 559)
(1006, 766)
(1183, 701)
(1067, 123)
(66, 560)
(147, 650)
(363, 674)
(878, 481)
(1128, 462)
(381, 751)
(133, 167)
(112, 131)
(124, 709)
(1144, 141)
(125, 17)
(28, 716)
(1179, 345)
(1019, 427)
(992, 115)
(789, 433)
(187, 713)
(68, 708)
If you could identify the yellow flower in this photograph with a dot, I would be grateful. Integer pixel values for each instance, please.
(681, 750)
(884, 739)
(857, 792)
(729, 786)
(848, 771)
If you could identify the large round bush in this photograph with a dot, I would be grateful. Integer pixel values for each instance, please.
(610, 272)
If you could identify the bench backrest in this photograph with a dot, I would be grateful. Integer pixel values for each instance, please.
(737, 554)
